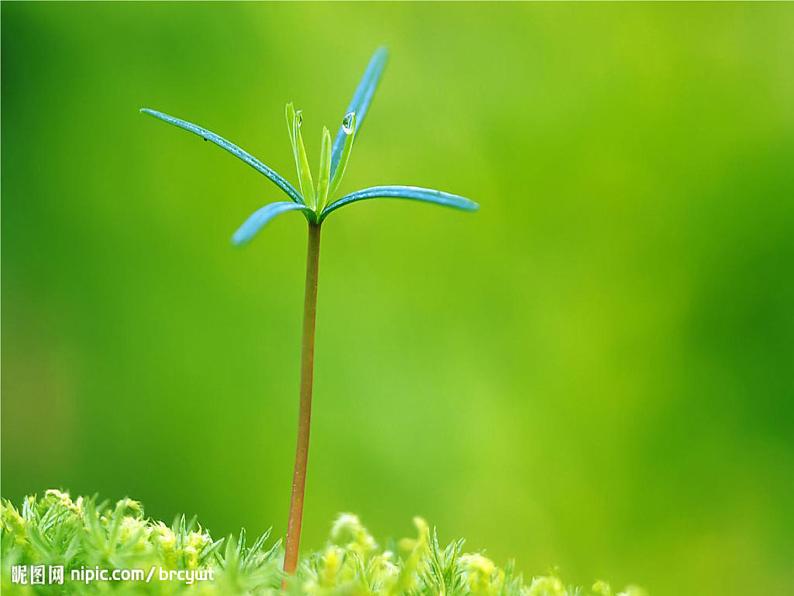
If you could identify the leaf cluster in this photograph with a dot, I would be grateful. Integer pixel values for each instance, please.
(315, 199)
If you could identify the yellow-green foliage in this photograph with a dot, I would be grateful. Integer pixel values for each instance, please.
(56, 530)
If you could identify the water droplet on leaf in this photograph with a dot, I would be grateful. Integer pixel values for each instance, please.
(299, 118)
(347, 122)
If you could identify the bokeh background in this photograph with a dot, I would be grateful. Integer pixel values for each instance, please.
(594, 372)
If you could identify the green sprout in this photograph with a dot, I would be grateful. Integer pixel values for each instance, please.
(316, 201)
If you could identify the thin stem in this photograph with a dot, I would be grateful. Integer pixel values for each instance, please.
(305, 409)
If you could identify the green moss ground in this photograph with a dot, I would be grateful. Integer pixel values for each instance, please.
(82, 534)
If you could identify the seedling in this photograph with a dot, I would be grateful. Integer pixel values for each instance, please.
(316, 202)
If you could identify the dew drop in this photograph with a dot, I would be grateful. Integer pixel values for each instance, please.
(347, 122)
(299, 118)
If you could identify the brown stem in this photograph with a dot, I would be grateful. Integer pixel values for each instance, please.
(305, 409)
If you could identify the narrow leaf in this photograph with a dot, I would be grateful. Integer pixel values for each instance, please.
(349, 128)
(252, 161)
(325, 170)
(291, 118)
(304, 171)
(361, 100)
(404, 192)
(260, 217)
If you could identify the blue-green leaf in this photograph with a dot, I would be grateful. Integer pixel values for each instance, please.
(404, 192)
(260, 217)
(361, 100)
(252, 161)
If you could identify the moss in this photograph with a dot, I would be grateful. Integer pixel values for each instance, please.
(81, 534)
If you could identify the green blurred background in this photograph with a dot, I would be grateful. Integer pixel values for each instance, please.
(595, 371)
